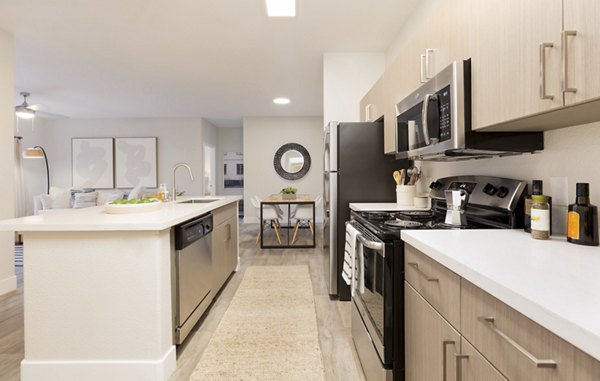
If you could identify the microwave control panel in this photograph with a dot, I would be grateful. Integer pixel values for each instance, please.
(443, 97)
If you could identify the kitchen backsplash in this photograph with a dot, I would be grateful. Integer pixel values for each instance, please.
(571, 155)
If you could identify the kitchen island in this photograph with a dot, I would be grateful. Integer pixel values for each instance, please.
(97, 287)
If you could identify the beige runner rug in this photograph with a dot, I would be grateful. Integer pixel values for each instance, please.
(269, 332)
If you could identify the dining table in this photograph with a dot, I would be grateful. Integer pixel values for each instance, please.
(287, 201)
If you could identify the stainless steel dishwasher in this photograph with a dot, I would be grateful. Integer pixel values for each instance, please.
(192, 273)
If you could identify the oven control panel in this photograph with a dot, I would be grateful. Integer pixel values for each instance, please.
(487, 191)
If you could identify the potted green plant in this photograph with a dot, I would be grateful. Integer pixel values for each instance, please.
(288, 193)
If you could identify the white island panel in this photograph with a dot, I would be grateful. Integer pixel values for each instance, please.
(98, 306)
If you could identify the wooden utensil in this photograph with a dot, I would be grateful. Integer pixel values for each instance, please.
(397, 177)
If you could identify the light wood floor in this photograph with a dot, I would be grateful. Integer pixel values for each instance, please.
(333, 317)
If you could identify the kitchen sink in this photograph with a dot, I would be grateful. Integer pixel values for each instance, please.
(198, 201)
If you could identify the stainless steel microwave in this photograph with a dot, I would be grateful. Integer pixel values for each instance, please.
(434, 123)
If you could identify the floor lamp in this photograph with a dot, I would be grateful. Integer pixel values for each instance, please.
(37, 152)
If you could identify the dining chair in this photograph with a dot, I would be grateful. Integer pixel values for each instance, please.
(270, 216)
(304, 214)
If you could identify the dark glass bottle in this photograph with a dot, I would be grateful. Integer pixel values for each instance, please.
(582, 227)
(537, 189)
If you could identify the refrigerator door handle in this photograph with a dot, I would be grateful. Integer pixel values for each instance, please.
(333, 227)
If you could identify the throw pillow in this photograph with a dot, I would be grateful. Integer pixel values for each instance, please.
(85, 200)
(61, 198)
(46, 201)
(137, 192)
(104, 197)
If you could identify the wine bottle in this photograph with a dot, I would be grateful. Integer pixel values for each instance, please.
(582, 224)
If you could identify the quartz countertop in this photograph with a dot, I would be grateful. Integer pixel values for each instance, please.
(96, 219)
(384, 206)
(553, 282)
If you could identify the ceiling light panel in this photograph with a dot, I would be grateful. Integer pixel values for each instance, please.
(281, 101)
(281, 8)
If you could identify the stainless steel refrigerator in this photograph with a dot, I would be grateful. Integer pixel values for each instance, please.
(356, 170)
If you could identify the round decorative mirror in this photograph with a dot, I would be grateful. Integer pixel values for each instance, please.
(291, 161)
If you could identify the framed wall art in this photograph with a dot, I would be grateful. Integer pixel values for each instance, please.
(233, 170)
(135, 162)
(92, 162)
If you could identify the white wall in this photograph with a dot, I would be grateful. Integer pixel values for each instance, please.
(230, 140)
(262, 138)
(8, 281)
(346, 79)
(179, 140)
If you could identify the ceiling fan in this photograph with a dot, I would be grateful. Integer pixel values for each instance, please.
(27, 111)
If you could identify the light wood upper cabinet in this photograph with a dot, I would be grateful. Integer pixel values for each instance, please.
(504, 40)
(583, 49)
(441, 39)
(371, 106)
(400, 79)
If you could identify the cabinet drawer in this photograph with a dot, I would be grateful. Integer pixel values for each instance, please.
(438, 285)
(223, 213)
(512, 342)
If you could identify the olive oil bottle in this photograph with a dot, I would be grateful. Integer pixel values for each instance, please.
(582, 224)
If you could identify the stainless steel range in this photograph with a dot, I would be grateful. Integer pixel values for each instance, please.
(460, 202)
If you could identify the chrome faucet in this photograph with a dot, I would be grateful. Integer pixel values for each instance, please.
(174, 169)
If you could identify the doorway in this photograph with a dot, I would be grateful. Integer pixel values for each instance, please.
(210, 157)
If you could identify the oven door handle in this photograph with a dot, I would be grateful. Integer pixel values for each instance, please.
(370, 244)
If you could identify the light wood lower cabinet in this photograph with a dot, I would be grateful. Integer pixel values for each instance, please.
(224, 247)
(472, 366)
(438, 285)
(431, 342)
(491, 341)
(520, 348)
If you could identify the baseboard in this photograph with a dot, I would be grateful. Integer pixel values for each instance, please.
(159, 370)
(8, 284)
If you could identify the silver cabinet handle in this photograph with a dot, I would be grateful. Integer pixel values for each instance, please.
(489, 322)
(422, 68)
(565, 61)
(228, 232)
(428, 53)
(543, 47)
(444, 359)
(459, 358)
(418, 270)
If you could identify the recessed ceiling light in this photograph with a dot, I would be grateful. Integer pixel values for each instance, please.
(281, 101)
(281, 8)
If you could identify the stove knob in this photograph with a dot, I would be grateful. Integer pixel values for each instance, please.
(489, 189)
(435, 185)
(502, 192)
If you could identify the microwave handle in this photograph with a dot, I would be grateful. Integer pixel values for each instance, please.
(424, 112)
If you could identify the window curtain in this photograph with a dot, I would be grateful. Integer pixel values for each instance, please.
(20, 202)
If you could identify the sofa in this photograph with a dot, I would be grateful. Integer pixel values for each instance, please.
(61, 199)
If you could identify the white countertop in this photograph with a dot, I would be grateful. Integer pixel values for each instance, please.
(554, 283)
(384, 206)
(96, 219)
